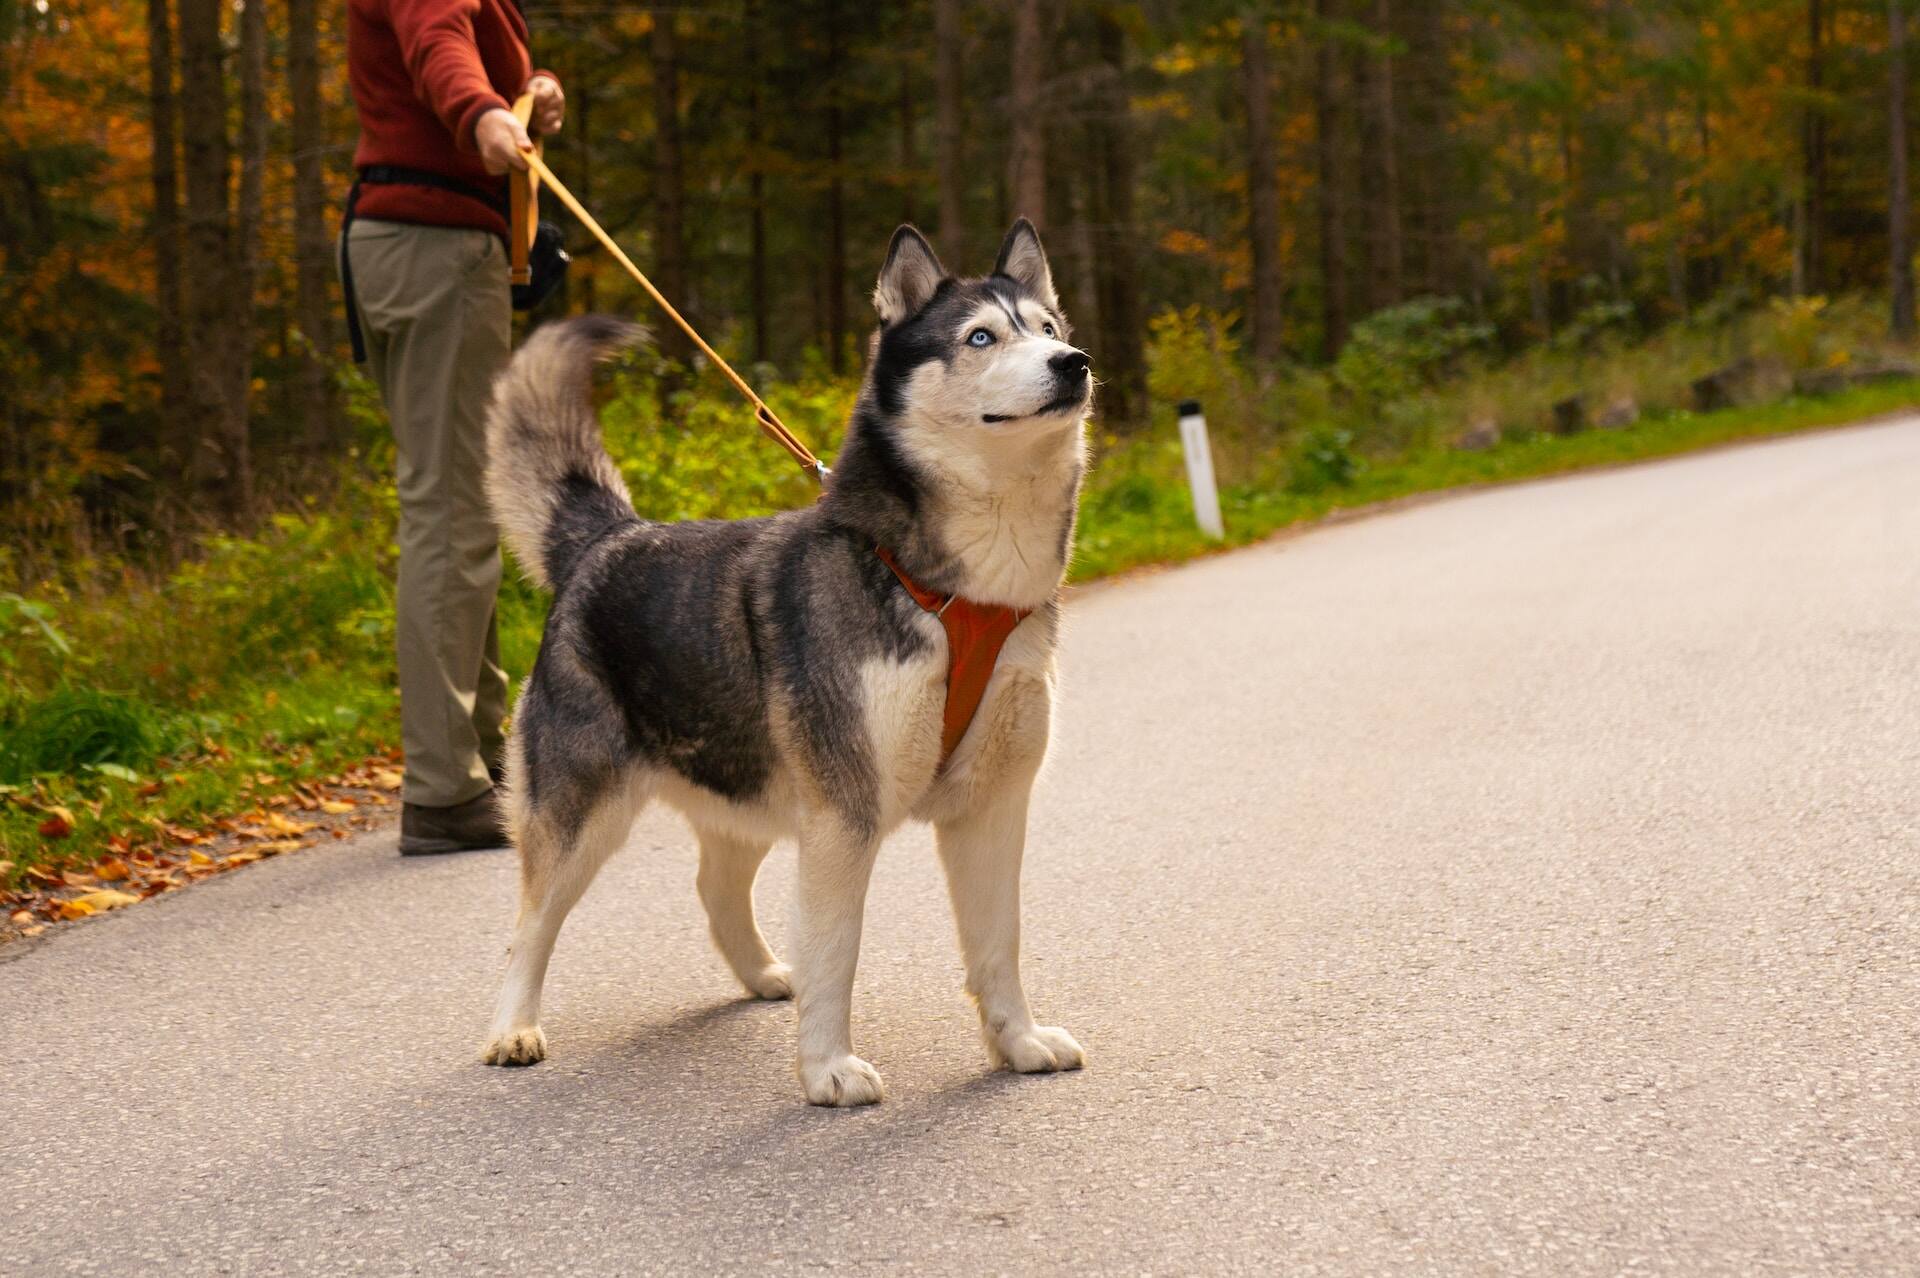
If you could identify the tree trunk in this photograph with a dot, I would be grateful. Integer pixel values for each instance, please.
(208, 261)
(1668, 177)
(836, 265)
(1263, 188)
(1329, 183)
(669, 183)
(312, 246)
(580, 122)
(1026, 151)
(1809, 210)
(909, 150)
(166, 230)
(248, 216)
(1537, 309)
(756, 189)
(1121, 357)
(949, 134)
(1424, 111)
(1379, 175)
(1899, 209)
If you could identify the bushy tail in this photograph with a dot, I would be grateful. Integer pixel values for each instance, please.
(554, 489)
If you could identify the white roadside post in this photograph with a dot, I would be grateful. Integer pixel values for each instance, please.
(1206, 495)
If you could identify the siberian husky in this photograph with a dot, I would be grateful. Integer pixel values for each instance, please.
(775, 677)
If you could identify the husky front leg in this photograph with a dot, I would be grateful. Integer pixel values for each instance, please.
(982, 850)
(836, 860)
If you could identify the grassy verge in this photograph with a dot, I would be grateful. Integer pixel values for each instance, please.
(1140, 513)
(135, 707)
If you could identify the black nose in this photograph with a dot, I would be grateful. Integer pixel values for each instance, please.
(1070, 364)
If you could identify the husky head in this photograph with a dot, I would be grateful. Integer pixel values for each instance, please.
(959, 358)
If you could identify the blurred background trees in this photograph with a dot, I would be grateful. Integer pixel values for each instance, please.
(170, 172)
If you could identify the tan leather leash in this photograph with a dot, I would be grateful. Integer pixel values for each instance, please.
(525, 194)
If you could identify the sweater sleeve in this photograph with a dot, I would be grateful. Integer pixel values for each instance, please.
(436, 39)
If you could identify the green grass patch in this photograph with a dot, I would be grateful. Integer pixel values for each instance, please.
(1144, 515)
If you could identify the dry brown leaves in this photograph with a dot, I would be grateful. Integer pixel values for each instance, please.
(166, 857)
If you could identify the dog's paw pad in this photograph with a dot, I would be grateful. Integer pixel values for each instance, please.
(774, 981)
(842, 1081)
(516, 1047)
(1043, 1049)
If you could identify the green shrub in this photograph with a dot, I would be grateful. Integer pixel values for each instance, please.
(1192, 354)
(74, 730)
(1323, 459)
(1397, 352)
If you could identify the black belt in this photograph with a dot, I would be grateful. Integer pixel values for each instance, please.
(396, 175)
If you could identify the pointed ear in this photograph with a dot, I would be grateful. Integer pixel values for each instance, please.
(911, 274)
(1025, 261)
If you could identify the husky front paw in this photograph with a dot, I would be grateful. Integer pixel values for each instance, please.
(516, 1047)
(842, 1081)
(1038, 1049)
(773, 981)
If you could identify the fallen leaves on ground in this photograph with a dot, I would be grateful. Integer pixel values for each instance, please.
(164, 856)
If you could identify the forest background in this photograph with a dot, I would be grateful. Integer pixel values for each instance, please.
(1388, 245)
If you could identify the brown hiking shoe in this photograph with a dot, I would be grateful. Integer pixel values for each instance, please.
(464, 827)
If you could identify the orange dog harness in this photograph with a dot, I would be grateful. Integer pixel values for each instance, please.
(975, 635)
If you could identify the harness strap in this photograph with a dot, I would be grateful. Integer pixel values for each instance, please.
(975, 634)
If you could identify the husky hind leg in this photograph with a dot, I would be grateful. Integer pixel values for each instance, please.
(564, 835)
(728, 867)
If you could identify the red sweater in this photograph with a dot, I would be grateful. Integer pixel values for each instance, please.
(423, 72)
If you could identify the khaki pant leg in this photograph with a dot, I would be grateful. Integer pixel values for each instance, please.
(437, 313)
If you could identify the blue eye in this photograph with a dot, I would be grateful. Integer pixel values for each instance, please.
(979, 337)
(1047, 329)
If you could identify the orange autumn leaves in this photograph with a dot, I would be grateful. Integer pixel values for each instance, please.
(132, 868)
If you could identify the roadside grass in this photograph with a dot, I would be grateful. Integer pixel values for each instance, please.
(1138, 511)
(136, 703)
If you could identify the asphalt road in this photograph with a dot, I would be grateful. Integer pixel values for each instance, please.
(1527, 882)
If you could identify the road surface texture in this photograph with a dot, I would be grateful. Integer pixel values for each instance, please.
(1525, 882)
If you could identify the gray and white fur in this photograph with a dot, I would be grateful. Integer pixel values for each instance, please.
(772, 678)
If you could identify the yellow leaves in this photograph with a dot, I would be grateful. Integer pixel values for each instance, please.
(284, 825)
(332, 807)
(21, 918)
(241, 858)
(199, 858)
(105, 899)
(386, 779)
(98, 902)
(6, 868)
(111, 870)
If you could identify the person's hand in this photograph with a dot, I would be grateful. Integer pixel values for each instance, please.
(549, 104)
(500, 140)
